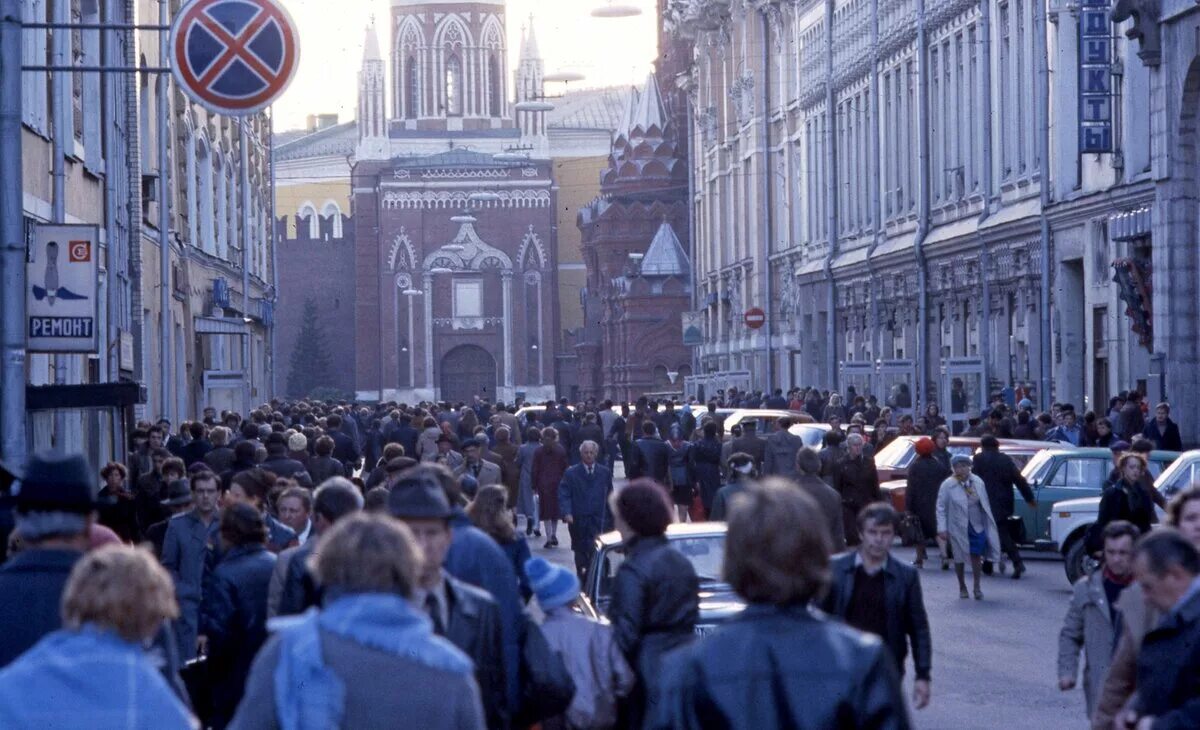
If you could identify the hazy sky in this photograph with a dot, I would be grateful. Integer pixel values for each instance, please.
(607, 51)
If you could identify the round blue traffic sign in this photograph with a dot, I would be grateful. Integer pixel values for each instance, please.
(234, 57)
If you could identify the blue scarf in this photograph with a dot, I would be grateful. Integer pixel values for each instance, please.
(308, 695)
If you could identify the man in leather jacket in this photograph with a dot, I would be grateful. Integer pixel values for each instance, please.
(650, 455)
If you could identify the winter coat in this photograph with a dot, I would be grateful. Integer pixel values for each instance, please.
(286, 468)
(780, 454)
(857, 481)
(187, 548)
(1137, 619)
(220, 459)
(952, 518)
(1132, 421)
(830, 502)
(1121, 501)
(752, 445)
(549, 465)
(1168, 669)
(1165, 438)
(31, 587)
(195, 452)
(489, 473)
(475, 627)
(903, 604)
(654, 608)
(1088, 626)
(720, 503)
(321, 468)
(233, 615)
(525, 482)
(594, 661)
(925, 477)
(427, 444)
(88, 678)
(651, 460)
(749, 675)
(510, 473)
(1000, 474)
(706, 468)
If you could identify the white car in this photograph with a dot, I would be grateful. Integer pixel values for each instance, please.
(1070, 519)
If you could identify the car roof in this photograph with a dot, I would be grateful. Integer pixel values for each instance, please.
(675, 531)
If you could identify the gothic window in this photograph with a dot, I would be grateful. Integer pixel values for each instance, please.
(204, 187)
(494, 86)
(411, 85)
(334, 214)
(454, 87)
(307, 217)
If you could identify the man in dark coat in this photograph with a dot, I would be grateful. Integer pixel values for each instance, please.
(777, 401)
(188, 546)
(333, 500)
(152, 489)
(281, 466)
(651, 455)
(462, 613)
(53, 515)
(196, 449)
(780, 452)
(1132, 420)
(583, 503)
(220, 457)
(855, 478)
(751, 443)
(1000, 476)
(874, 592)
(808, 478)
(345, 449)
(1168, 665)
(1162, 430)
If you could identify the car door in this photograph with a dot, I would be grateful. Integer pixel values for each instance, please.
(1073, 478)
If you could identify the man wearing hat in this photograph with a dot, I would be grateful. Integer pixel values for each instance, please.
(178, 501)
(465, 615)
(55, 506)
(486, 473)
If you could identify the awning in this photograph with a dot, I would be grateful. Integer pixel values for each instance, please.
(219, 326)
(1131, 224)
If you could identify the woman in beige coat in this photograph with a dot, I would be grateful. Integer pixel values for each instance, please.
(964, 519)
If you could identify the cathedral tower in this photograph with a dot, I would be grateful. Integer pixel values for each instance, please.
(449, 65)
(531, 103)
(372, 113)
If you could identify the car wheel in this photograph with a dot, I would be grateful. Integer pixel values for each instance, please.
(1077, 562)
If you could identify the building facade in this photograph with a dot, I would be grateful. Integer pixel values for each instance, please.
(903, 186)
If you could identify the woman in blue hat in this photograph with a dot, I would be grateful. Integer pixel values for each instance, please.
(964, 519)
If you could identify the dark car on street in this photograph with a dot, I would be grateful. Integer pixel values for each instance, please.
(703, 543)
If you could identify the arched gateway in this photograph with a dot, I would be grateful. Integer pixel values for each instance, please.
(467, 371)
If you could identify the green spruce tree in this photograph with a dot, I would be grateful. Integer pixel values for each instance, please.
(310, 366)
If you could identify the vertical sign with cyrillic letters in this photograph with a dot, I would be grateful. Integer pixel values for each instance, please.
(61, 302)
(1095, 77)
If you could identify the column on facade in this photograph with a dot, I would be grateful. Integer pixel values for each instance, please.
(506, 278)
(429, 331)
(541, 359)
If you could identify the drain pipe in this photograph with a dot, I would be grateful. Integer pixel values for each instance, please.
(133, 161)
(922, 394)
(166, 351)
(62, 106)
(12, 240)
(1043, 102)
(274, 242)
(767, 212)
(831, 190)
(876, 209)
(985, 259)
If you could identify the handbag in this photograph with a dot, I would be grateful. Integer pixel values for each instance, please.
(199, 684)
(1016, 529)
(546, 686)
(910, 530)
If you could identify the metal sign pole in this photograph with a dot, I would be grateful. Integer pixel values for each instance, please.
(12, 238)
(166, 353)
(245, 153)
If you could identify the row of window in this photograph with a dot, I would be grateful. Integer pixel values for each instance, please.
(307, 216)
(452, 98)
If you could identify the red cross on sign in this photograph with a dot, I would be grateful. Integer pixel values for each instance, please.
(755, 318)
(234, 57)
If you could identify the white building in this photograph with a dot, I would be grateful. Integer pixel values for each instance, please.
(871, 172)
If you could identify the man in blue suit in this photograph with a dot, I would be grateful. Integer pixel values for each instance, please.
(583, 501)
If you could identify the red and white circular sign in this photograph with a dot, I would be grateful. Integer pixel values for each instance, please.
(755, 318)
(234, 57)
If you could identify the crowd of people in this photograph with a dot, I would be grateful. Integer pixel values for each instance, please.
(293, 565)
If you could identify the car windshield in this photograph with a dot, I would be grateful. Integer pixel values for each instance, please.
(896, 455)
(1038, 465)
(1174, 477)
(705, 552)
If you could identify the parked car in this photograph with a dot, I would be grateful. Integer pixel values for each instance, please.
(1071, 518)
(893, 461)
(703, 543)
(764, 418)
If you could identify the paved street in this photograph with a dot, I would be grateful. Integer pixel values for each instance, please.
(994, 661)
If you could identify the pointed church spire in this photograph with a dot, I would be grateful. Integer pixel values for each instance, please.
(626, 125)
(651, 113)
(371, 44)
(529, 44)
(666, 256)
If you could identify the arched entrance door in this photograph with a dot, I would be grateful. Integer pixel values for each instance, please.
(468, 371)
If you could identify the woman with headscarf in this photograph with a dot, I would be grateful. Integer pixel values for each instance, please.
(925, 477)
(526, 496)
(964, 519)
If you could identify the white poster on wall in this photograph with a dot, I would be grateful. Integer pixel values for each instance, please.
(61, 298)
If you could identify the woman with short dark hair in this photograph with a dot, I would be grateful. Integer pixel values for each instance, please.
(656, 593)
(780, 663)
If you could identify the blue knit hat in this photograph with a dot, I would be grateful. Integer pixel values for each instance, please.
(553, 585)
